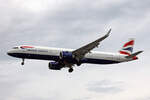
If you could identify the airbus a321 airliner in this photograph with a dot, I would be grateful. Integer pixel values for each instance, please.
(61, 58)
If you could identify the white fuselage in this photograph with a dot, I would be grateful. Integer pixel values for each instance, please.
(47, 53)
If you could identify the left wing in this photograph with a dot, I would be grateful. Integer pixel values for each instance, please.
(81, 52)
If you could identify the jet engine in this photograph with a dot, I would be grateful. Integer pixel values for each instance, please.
(54, 66)
(66, 55)
(69, 57)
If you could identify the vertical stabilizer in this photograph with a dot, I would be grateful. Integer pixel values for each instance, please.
(127, 48)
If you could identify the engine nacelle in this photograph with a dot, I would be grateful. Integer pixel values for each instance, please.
(66, 55)
(69, 57)
(54, 66)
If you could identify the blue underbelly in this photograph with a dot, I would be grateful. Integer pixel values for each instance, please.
(56, 58)
(98, 61)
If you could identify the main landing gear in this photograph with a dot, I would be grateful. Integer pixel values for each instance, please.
(22, 63)
(70, 70)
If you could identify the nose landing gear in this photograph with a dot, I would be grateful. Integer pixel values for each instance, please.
(22, 63)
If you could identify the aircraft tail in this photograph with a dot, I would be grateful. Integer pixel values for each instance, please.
(127, 48)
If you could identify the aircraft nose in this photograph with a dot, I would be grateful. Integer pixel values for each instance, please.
(9, 53)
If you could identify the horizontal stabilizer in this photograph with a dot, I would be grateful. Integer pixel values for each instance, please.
(134, 54)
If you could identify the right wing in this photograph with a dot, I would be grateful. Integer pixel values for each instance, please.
(81, 52)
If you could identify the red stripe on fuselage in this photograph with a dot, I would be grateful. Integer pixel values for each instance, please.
(27, 47)
(129, 43)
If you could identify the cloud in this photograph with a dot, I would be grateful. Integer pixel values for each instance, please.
(147, 98)
(85, 98)
(57, 23)
(105, 86)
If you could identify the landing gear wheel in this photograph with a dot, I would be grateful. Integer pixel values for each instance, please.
(22, 63)
(70, 70)
(78, 63)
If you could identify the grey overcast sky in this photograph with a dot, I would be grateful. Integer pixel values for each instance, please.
(71, 24)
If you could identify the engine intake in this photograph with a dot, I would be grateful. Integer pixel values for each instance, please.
(54, 66)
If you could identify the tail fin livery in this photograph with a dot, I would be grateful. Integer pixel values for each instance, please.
(127, 48)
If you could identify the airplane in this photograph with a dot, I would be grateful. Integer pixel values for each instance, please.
(68, 58)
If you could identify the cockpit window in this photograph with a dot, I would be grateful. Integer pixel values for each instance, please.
(15, 48)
